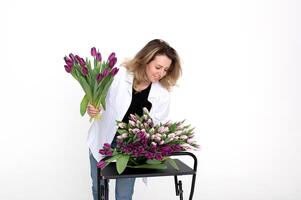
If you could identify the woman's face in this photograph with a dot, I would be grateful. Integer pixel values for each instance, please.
(157, 68)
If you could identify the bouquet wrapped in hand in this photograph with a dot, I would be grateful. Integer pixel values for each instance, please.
(95, 77)
(142, 144)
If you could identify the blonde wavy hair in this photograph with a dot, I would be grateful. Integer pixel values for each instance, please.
(138, 64)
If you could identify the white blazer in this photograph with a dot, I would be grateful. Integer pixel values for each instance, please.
(118, 101)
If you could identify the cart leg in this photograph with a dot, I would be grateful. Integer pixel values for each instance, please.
(102, 189)
(106, 189)
(192, 187)
(98, 184)
(178, 186)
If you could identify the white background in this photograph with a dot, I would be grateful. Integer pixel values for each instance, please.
(240, 88)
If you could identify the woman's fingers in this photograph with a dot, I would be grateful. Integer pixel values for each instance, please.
(92, 111)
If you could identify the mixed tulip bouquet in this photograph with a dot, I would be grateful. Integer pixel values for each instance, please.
(142, 144)
(95, 80)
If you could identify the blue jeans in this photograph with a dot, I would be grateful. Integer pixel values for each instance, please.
(124, 188)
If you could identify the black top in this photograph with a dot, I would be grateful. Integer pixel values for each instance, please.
(139, 100)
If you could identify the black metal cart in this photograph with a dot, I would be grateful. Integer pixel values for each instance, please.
(110, 172)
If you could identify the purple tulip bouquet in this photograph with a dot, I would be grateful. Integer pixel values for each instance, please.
(94, 81)
(142, 144)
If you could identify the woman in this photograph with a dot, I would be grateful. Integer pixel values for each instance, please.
(145, 81)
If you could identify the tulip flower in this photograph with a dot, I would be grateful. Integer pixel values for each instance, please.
(101, 164)
(122, 125)
(183, 137)
(98, 57)
(133, 117)
(158, 157)
(72, 57)
(111, 56)
(105, 73)
(145, 111)
(132, 123)
(82, 62)
(68, 68)
(107, 145)
(102, 151)
(112, 62)
(85, 71)
(99, 77)
(190, 140)
(68, 61)
(77, 58)
(114, 71)
(93, 52)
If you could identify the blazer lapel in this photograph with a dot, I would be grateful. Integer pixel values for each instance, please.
(129, 81)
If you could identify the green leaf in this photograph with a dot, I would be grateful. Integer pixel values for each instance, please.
(153, 162)
(172, 163)
(102, 67)
(173, 128)
(95, 89)
(83, 105)
(103, 94)
(78, 74)
(121, 131)
(121, 163)
(73, 72)
(86, 87)
(102, 101)
(116, 157)
(88, 63)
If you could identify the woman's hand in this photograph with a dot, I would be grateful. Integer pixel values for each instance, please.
(92, 111)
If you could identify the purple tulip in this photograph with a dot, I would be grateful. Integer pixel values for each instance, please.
(109, 153)
(72, 57)
(68, 68)
(98, 56)
(82, 62)
(68, 61)
(158, 157)
(102, 152)
(85, 71)
(105, 73)
(99, 77)
(106, 146)
(112, 62)
(114, 71)
(93, 51)
(101, 164)
(177, 147)
(77, 58)
(149, 155)
(111, 56)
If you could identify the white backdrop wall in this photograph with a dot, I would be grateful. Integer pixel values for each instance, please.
(240, 88)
